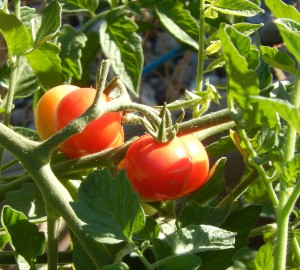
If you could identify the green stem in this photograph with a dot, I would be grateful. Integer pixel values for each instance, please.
(296, 249)
(205, 121)
(17, 5)
(201, 135)
(99, 17)
(262, 230)
(53, 224)
(268, 185)
(286, 204)
(239, 189)
(200, 66)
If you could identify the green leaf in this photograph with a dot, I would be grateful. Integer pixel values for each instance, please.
(72, 43)
(243, 8)
(257, 193)
(89, 5)
(213, 186)
(278, 59)
(109, 207)
(240, 60)
(4, 238)
(123, 46)
(89, 52)
(179, 22)
(247, 28)
(186, 261)
(220, 147)
(150, 231)
(46, 65)
(286, 110)
(28, 200)
(15, 33)
(281, 10)
(50, 23)
(264, 259)
(199, 238)
(291, 171)
(25, 236)
(193, 213)
(113, 3)
(290, 32)
(241, 222)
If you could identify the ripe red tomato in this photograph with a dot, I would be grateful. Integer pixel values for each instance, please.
(102, 133)
(44, 114)
(200, 163)
(166, 171)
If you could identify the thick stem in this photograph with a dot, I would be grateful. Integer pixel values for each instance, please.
(53, 224)
(200, 67)
(283, 212)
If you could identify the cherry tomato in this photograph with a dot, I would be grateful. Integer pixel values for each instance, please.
(166, 171)
(200, 163)
(158, 171)
(44, 114)
(102, 133)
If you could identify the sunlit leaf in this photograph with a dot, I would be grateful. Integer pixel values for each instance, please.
(242, 81)
(291, 171)
(238, 7)
(123, 46)
(199, 238)
(264, 259)
(46, 65)
(278, 59)
(290, 32)
(179, 22)
(281, 10)
(15, 33)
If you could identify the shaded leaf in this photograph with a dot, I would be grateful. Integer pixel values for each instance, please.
(72, 43)
(50, 23)
(213, 186)
(123, 46)
(27, 200)
(186, 261)
(49, 73)
(286, 110)
(179, 22)
(25, 236)
(89, 5)
(15, 33)
(109, 207)
(193, 213)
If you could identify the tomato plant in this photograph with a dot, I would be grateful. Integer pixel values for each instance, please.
(45, 111)
(198, 54)
(166, 171)
(102, 133)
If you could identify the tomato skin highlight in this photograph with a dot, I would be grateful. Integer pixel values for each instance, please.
(102, 133)
(200, 163)
(44, 113)
(156, 171)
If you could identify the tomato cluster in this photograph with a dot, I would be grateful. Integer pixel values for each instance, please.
(168, 170)
(60, 105)
(157, 171)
